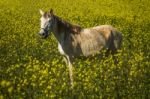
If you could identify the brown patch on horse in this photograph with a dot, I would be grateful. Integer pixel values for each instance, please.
(106, 32)
(48, 14)
(45, 15)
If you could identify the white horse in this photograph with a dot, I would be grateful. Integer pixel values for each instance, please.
(74, 41)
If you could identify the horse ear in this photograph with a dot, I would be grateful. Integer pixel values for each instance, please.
(41, 12)
(51, 11)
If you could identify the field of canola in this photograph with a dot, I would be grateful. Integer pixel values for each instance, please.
(32, 68)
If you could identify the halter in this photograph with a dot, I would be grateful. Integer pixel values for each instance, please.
(44, 30)
(48, 27)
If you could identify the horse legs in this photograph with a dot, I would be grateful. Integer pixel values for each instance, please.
(69, 59)
(65, 60)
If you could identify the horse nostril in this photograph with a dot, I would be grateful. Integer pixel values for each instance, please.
(43, 34)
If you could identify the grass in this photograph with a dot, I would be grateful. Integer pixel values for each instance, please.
(31, 67)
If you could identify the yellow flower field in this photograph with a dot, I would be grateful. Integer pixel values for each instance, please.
(32, 68)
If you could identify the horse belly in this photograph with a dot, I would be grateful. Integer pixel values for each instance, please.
(92, 43)
(89, 48)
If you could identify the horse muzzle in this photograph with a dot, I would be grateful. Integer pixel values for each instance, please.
(43, 34)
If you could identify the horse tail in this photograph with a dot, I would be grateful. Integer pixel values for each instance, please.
(116, 39)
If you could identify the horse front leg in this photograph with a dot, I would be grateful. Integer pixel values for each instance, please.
(70, 67)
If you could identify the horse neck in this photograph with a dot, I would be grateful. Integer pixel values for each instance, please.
(61, 28)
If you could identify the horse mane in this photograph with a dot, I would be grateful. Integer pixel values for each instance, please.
(68, 26)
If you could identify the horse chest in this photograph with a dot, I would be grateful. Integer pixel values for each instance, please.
(65, 45)
(61, 43)
(61, 49)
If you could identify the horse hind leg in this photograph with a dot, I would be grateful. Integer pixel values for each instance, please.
(65, 60)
